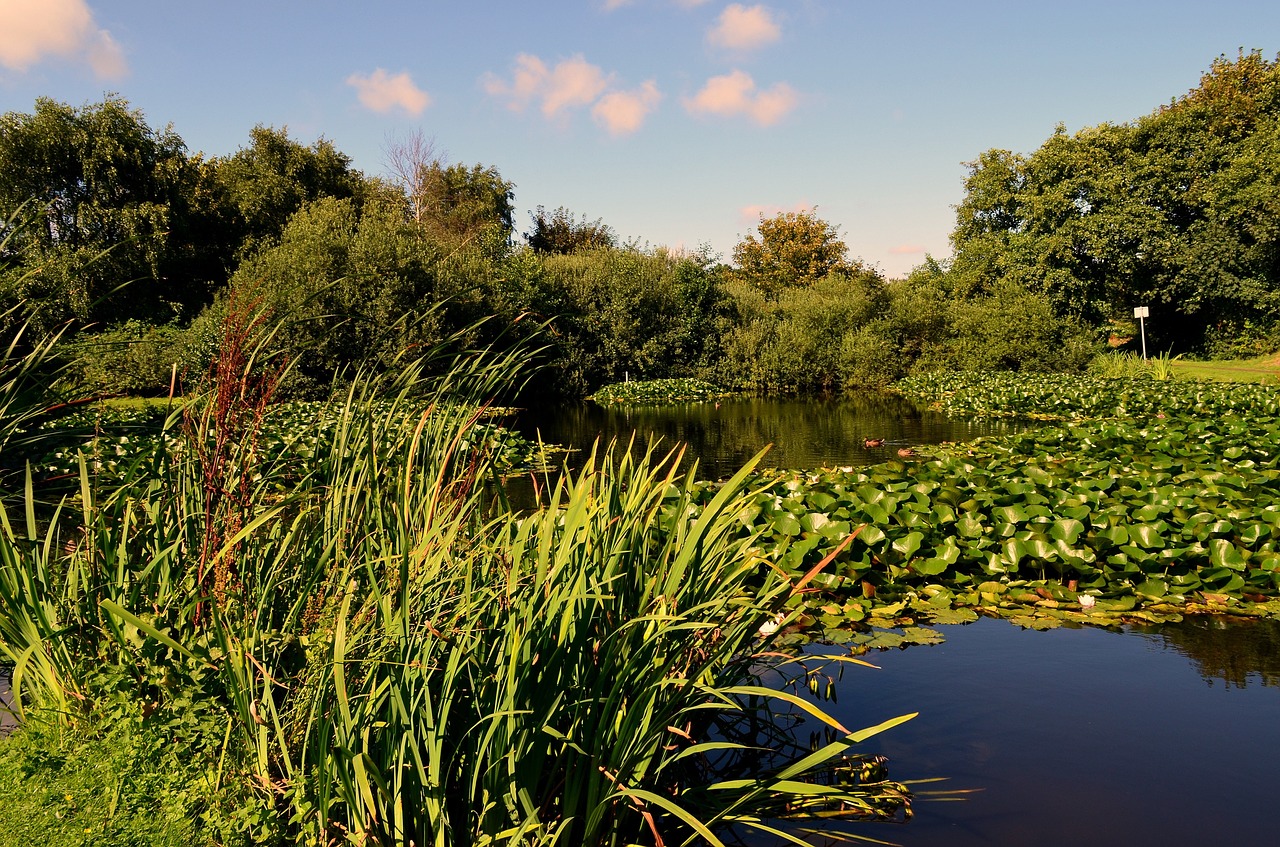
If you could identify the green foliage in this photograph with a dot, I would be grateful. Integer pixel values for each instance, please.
(459, 203)
(851, 332)
(122, 779)
(395, 656)
(1144, 520)
(134, 358)
(631, 313)
(561, 232)
(269, 181)
(654, 392)
(1071, 397)
(350, 286)
(1131, 365)
(1176, 211)
(109, 191)
(792, 342)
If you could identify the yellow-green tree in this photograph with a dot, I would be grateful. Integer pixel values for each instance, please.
(791, 249)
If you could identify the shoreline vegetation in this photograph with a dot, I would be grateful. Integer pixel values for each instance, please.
(355, 642)
(294, 607)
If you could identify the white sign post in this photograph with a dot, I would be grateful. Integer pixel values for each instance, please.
(1142, 313)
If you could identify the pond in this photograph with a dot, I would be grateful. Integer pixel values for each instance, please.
(1163, 735)
(804, 432)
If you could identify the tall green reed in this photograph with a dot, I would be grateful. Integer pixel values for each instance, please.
(402, 660)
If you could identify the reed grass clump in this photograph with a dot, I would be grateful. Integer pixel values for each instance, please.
(400, 659)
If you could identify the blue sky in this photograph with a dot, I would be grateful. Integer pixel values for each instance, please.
(675, 121)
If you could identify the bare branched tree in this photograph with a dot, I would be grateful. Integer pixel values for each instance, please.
(410, 161)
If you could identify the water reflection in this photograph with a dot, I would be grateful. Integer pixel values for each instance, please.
(804, 432)
(1231, 652)
(1081, 736)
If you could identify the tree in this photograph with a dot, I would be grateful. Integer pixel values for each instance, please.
(409, 162)
(350, 285)
(1176, 211)
(793, 249)
(560, 232)
(458, 202)
(111, 192)
(275, 176)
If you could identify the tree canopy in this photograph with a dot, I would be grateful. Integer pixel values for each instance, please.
(1178, 210)
(105, 192)
(791, 249)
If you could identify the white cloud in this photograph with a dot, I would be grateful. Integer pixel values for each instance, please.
(610, 5)
(382, 92)
(33, 30)
(623, 112)
(735, 94)
(744, 28)
(907, 250)
(572, 83)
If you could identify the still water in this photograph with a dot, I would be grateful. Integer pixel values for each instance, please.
(805, 433)
(1160, 736)
(1168, 736)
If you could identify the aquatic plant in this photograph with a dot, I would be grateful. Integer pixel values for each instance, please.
(654, 392)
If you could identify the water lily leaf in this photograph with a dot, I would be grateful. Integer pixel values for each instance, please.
(1154, 588)
(786, 525)
(921, 635)
(814, 521)
(1224, 554)
(1146, 535)
(930, 567)
(909, 544)
(953, 616)
(1014, 551)
(1067, 530)
(1011, 514)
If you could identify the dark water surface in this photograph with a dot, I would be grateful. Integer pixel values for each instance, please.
(1164, 736)
(805, 433)
(1081, 736)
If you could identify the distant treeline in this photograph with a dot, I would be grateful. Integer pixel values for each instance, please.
(111, 229)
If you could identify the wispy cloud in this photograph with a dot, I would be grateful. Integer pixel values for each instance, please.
(907, 250)
(623, 112)
(34, 30)
(571, 83)
(744, 28)
(382, 92)
(736, 94)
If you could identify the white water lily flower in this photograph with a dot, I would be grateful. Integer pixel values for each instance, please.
(770, 627)
(1087, 601)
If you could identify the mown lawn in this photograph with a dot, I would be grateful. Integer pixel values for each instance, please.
(1260, 369)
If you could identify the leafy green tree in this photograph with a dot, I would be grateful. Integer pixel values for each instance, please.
(114, 197)
(275, 176)
(347, 284)
(791, 249)
(460, 203)
(620, 312)
(792, 342)
(561, 232)
(1176, 211)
